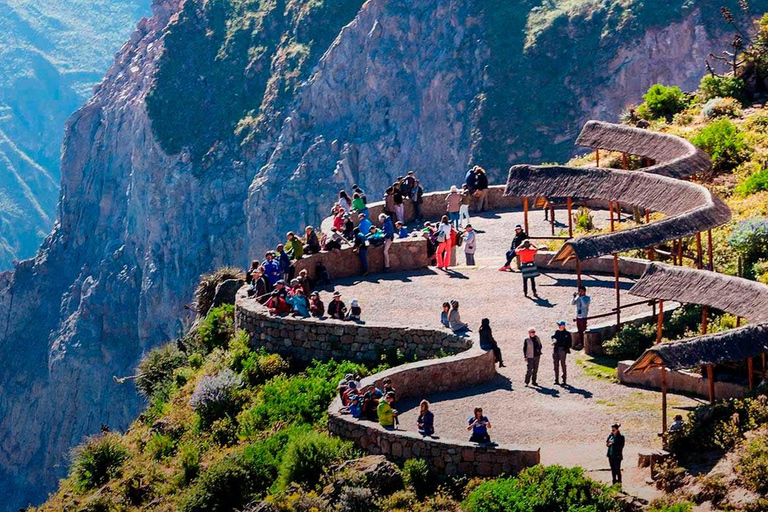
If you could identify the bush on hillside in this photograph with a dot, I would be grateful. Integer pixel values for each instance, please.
(255, 366)
(156, 369)
(307, 456)
(216, 396)
(756, 182)
(551, 488)
(161, 446)
(631, 341)
(685, 506)
(725, 143)
(227, 484)
(753, 465)
(97, 461)
(217, 328)
(663, 101)
(206, 289)
(750, 239)
(721, 107)
(416, 473)
(712, 86)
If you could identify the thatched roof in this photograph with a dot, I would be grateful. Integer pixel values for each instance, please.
(735, 295)
(689, 208)
(721, 347)
(674, 156)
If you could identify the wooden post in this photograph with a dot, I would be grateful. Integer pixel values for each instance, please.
(652, 254)
(663, 399)
(578, 272)
(525, 215)
(618, 211)
(569, 201)
(711, 379)
(597, 158)
(709, 251)
(624, 161)
(660, 322)
(738, 321)
(751, 369)
(699, 256)
(647, 217)
(680, 252)
(704, 318)
(610, 208)
(618, 289)
(552, 217)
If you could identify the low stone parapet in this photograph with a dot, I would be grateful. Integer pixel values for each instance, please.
(680, 381)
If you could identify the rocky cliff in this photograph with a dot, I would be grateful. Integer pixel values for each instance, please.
(223, 123)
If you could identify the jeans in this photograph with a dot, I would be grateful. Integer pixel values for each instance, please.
(510, 256)
(558, 357)
(454, 218)
(387, 244)
(463, 214)
(615, 463)
(363, 254)
(417, 211)
(532, 369)
(525, 285)
(470, 259)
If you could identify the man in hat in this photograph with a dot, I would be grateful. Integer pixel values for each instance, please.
(561, 345)
(337, 309)
(517, 240)
(470, 245)
(280, 288)
(615, 444)
(355, 311)
(532, 355)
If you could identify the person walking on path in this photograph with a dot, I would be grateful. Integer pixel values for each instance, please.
(561, 346)
(466, 199)
(488, 343)
(527, 253)
(520, 237)
(470, 245)
(444, 243)
(426, 420)
(479, 426)
(417, 198)
(454, 319)
(532, 354)
(453, 205)
(481, 184)
(388, 227)
(582, 301)
(615, 444)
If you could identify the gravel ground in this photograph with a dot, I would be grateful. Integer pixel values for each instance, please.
(570, 424)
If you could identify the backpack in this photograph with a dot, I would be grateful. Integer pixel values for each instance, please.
(440, 237)
(459, 239)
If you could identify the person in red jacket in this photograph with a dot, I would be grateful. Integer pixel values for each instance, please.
(277, 305)
(527, 254)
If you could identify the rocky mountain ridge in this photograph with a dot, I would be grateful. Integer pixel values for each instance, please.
(401, 86)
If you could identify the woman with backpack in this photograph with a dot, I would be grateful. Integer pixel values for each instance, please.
(444, 240)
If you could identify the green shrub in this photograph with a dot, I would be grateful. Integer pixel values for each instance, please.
(256, 367)
(721, 87)
(721, 107)
(631, 341)
(755, 182)
(224, 431)
(551, 488)
(206, 288)
(416, 473)
(216, 396)
(356, 499)
(217, 328)
(663, 101)
(583, 219)
(750, 239)
(725, 143)
(753, 465)
(685, 506)
(161, 446)
(189, 461)
(156, 369)
(682, 320)
(97, 461)
(308, 455)
(227, 484)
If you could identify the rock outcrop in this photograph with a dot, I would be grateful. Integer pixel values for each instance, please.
(403, 86)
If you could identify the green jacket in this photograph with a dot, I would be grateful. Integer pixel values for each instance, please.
(294, 248)
(384, 411)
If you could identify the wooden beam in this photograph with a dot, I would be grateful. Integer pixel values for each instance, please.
(710, 251)
(618, 211)
(663, 399)
(680, 252)
(699, 256)
(610, 208)
(738, 321)
(711, 379)
(525, 216)
(569, 202)
(751, 370)
(624, 161)
(618, 289)
(660, 322)
(597, 158)
(704, 319)
(552, 217)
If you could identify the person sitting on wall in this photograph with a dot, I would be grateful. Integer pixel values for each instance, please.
(281, 289)
(344, 384)
(426, 420)
(387, 415)
(312, 245)
(517, 240)
(677, 425)
(358, 203)
(271, 268)
(487, 342)
(305, 282)
(364, 224)
(355, 311)
(349, 226)
(293, 246)
(402, 231)
(338, 219)
(299, 303)
(351, 390)
(316, 306)
(454, 319)
(277, 305)
(479, 426)
(334, 241)
(388, 387)
(286, 267)
(445, 314)
(260, 287)
(255, 265)
(375, 237)
(337, 309)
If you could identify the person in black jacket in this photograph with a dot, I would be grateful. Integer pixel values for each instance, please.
(520, 237)
(481, 184)
(615, 444)
(561, 346)
(488, 343)
(532, 354)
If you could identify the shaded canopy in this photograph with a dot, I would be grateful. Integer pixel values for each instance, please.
(721, 347)
(735, 295)
(674, 156)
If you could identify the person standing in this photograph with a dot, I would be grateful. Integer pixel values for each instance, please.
(532, 354)
(361, 248)
(363, 223)
(520, 237)
(470, 245)
(453, 205)
(408, 182)
(389, 201)
(582, 301)
(271, 268)
(561, 346)
(481, 183)
(389, 235)
(398, 199)
(443, 239)
(344, 201)
(417, 198)
(527, 253)
(466, 199)
(615, 444)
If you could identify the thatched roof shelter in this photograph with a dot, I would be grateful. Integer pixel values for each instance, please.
(674, 156)
(689, 208)
(735, 295)
(721, 347)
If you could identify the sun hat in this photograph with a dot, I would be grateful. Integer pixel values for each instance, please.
(561, 322)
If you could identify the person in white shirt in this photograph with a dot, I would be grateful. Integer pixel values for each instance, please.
(582, 301)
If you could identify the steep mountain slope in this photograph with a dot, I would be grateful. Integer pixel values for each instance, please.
(51, 53)
(223, 123)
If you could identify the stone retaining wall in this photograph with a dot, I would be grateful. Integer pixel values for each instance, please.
(306, 339)
(680, 381)
(446, 456)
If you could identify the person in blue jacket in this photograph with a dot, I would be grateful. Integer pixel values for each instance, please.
(389, 235)
(402, 231)
(286, 267)
(272, 268)
(364, 224)
(299, 303)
